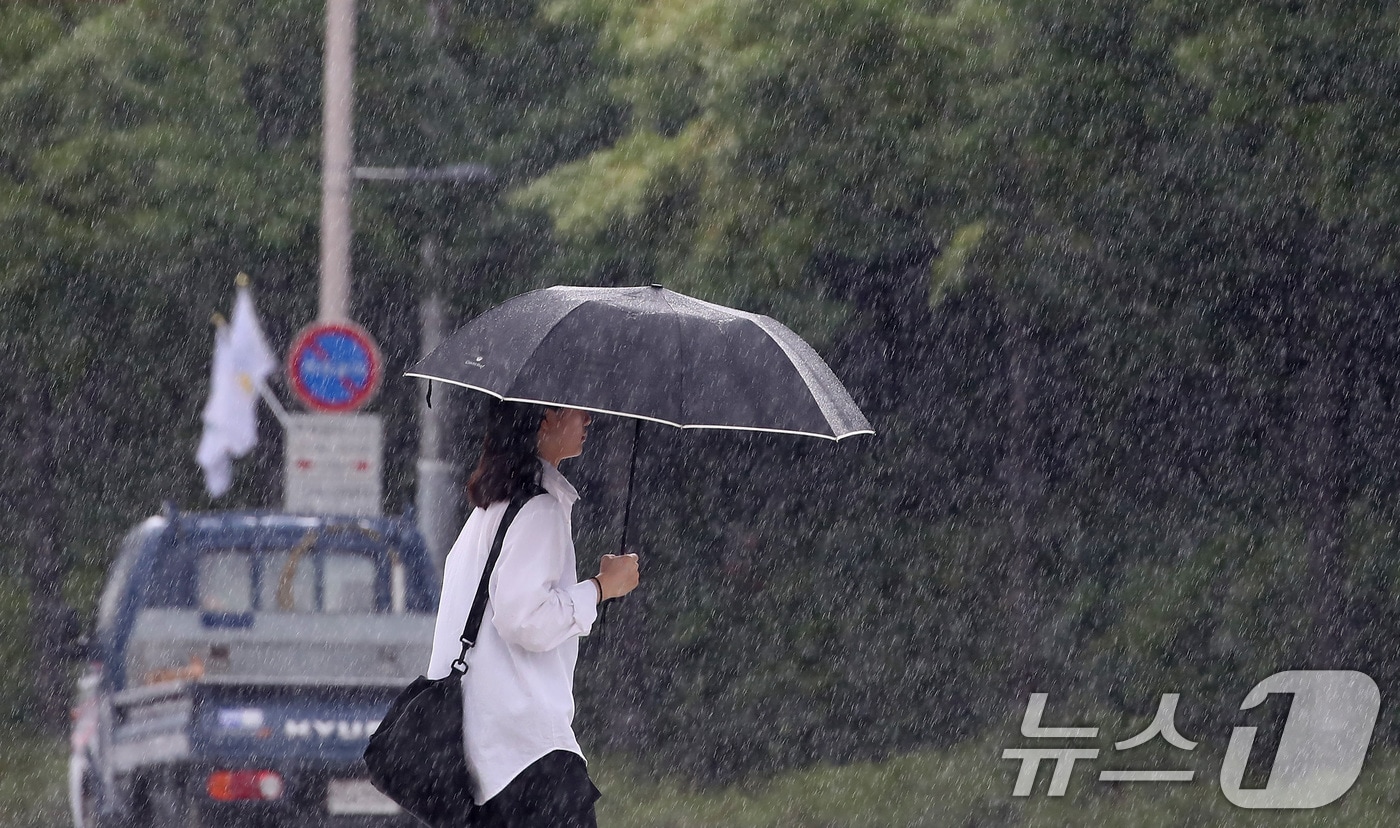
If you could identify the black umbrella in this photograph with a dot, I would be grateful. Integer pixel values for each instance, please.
(651, 354)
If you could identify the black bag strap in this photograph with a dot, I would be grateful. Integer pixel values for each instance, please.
(473, 625)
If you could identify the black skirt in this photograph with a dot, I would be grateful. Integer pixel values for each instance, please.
(553, 792)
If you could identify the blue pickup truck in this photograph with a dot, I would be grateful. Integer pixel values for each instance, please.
(240, 663)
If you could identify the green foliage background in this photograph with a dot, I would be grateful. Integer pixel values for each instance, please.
(1111, 267)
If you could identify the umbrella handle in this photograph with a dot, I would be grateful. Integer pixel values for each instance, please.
(626, 513)
(631, 474)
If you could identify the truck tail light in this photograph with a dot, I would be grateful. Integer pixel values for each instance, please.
(232, 786)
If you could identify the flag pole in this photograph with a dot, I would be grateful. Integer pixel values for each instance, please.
(273, 403)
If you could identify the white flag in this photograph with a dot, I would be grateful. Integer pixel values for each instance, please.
(242, 362)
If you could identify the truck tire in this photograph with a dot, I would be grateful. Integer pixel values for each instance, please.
(88, 803)
(100, 820)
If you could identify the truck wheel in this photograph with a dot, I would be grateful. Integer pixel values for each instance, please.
(88, 803)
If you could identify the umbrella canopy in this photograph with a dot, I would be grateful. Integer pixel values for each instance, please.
(648, 353)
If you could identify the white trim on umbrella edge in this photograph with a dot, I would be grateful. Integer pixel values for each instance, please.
(551, 403)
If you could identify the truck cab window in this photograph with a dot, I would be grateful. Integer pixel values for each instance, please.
(305, 578)
(225, 581)
(117, 580)
(349, 582)
(398, 586)
(288, 582)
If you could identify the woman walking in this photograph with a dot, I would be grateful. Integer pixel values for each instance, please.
(518, 691)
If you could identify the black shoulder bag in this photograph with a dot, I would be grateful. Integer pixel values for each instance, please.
(416, 756)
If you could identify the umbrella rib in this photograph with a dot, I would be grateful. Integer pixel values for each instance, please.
(680, 355)
(810, 376)
(554, 328)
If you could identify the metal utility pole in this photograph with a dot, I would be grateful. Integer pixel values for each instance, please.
(337, 157)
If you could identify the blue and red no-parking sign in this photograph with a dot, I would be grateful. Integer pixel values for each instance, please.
(334, 367)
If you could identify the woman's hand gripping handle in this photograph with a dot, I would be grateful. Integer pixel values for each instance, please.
(617, 576)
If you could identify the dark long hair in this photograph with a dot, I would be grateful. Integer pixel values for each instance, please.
(509, 464)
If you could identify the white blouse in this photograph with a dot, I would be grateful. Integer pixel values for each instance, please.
(518, 694)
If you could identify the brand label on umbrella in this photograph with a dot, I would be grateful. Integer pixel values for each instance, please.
(334, 367)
